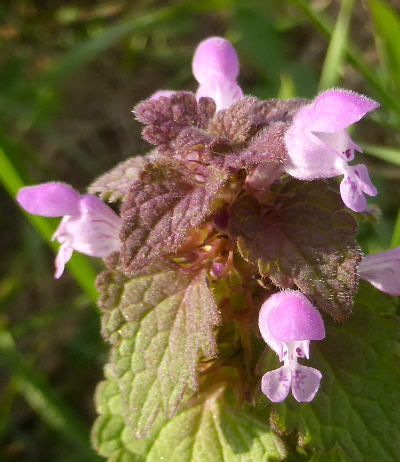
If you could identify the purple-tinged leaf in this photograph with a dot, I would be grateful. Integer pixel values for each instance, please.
(305, 237)
(162, 207)
(115, 184)
(166, 117)
(235, 123)
(166, 320)
(192, 144)
(267, 146)
(275, 110)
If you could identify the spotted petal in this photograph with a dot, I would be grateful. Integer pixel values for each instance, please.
(305, 383)
(356, 181)
(276, 384)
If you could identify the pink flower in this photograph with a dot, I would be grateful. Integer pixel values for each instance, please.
(382, 270)
(88, 225)
(216, 67)
(288, 322)
(319, 146)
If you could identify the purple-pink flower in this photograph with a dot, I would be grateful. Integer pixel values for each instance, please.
(287, 322)
(319, 145)
(382, 270)
(216, 67)
(88, 225)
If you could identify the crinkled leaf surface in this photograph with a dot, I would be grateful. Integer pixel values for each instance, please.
(267, 146)
(303, 237)
(235, 123)
(165, 117)
(115, 184)
(111, 437)
(214, 432)
(356, 412)
(209, 431)
(161, 208)
(164, 320)
(336, 454)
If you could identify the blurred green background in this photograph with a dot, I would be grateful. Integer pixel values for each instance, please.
(70, 73)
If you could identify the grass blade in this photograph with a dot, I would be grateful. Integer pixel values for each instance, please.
(336, 49)
(353, 55)
(391, 155)
(396, 233)
(387, 26)
(385, 153)
(40, 396)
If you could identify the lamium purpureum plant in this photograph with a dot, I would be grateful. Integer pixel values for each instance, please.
(233, 231)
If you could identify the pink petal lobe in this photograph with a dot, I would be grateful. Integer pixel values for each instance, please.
(305, 383)
(293, 317)
(364, 181)
(214, 58)
(352, 195)
(382, 270)
(335, 109)
(276, 384)
(49, 199)
(63, 256)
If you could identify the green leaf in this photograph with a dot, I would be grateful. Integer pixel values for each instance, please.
(111, 436)
(303, 236)
(214, 432)
(165, 319)
(387, 153)
(38, 393)
(334, 455)
(357, 409)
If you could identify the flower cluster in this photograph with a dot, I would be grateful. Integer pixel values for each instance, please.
(215, 151)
